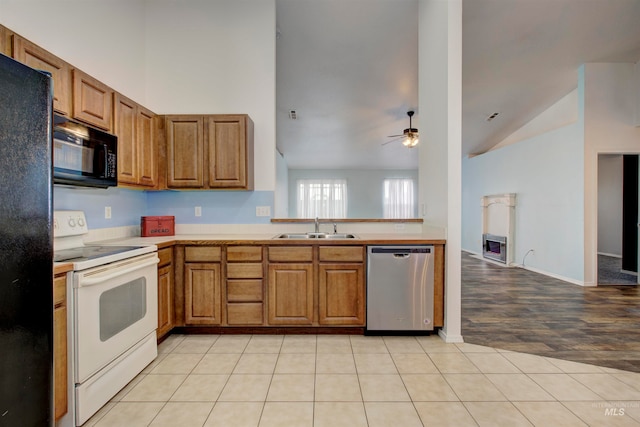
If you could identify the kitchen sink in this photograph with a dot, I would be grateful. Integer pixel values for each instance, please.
(316, 236)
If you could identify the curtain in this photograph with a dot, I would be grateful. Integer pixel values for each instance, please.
(398, 198)
(322, 198)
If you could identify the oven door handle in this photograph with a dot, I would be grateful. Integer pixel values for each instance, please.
(100, 278)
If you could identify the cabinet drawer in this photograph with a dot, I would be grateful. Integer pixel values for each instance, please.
(341, 253)
(290, 253)
(244, 270)
(165, 256)
(202, 253)
(59, 291)
(247, 313)
(244, 290)
(244, 253)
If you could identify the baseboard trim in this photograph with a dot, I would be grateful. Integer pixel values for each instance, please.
(533, 270)
(450, 338)
(610, 255)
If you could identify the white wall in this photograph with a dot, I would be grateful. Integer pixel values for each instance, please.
(440, 104)
(364, 188)
(562, 113)
(216, 56)
(102, 38)
(610, 127)
(610, 204)
(281, 197)
(546, 174)
(637, 92)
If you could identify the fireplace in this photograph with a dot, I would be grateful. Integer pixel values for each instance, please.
(498, 227)
(494, 247)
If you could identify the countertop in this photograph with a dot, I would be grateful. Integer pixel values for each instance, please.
(262, 239)
(61, 267)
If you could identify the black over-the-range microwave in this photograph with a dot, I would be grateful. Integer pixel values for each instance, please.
(83, 155)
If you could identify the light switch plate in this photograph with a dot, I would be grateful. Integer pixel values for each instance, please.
(198, 211)
(107, 212)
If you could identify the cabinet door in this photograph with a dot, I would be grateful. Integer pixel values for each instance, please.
(228, 151)
(124, 125)
(5, 41)
(146, 143)
(165, 300)
(92, 100)
(202, 293)
(36, 57)
(290, 294)
(185, 151)
(341, 299)
(60, 346)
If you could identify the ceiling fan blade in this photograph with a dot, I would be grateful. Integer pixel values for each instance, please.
(393, 136)
(393, 140)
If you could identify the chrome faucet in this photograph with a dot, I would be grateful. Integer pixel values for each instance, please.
(317, 226)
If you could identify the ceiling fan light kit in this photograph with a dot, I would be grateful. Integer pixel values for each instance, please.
(411, 133)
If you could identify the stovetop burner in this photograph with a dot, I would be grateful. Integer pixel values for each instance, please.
(85, 253)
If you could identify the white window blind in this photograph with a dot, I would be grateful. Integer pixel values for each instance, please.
(398, 198)
(322, 198)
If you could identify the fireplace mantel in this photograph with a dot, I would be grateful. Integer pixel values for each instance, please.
(498, 221)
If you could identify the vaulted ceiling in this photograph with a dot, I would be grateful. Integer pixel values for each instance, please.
(349, 69)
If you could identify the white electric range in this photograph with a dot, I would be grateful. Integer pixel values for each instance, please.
(112, 293)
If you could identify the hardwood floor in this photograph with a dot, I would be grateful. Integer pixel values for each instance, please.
(515, 309)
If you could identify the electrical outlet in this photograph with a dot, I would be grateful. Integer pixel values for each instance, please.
(263, 210)
(107, 212)
(399, 226)
(198, 211)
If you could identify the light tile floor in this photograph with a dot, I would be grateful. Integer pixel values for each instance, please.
(333, 381)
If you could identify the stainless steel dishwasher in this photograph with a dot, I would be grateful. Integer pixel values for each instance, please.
(400, 288)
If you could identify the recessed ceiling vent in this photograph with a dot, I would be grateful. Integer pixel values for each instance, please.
(293, 115)
(493, 116)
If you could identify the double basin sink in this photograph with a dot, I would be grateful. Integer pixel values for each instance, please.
(316, 236)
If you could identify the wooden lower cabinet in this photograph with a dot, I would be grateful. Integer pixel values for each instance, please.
(60, 345)
(165, 292)
(291, 294)
(341, 294)
(202, 294)
(245, 286)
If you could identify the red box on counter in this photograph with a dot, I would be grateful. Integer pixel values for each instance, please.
(151, 226)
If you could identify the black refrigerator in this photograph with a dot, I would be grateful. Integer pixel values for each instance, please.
(26, 246)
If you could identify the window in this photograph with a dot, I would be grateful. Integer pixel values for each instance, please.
(398, 198)
(322, 198)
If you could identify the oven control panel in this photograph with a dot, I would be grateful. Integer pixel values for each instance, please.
(69, 223)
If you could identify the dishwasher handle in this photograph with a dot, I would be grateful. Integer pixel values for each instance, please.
(401, 256)
(401, 251)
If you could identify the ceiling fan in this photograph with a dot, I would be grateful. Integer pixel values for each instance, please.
(410, 135)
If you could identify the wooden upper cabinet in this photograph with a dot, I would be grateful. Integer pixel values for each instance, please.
(124, 126)
(185, 151)
(36, 57)
(230, 149)
(92, 100)
(147, 147)
(5, 41)
(212, 151)
(134, 126)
